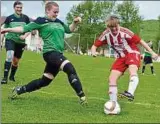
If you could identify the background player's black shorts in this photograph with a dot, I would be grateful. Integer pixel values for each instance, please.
(147, 60)
(16, 47)
(53, 61)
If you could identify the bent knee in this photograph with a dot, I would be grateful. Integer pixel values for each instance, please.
(9, 55)
(15, 61)
(64, 63)
(48, 75)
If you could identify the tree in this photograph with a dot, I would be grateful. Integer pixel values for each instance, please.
(93, 14)
(129, 14)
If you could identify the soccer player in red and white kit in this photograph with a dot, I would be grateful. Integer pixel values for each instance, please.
(124, 42)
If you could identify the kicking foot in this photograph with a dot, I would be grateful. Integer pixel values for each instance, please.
(15, 92)
(83, 101)
(126, 95)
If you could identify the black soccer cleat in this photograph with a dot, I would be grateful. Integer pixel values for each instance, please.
(127, 95)
(4, 81)
(12, 79)
(15, 92)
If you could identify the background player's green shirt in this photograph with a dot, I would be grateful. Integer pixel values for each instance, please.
(147, 54)
(15, 20)
(52, 33)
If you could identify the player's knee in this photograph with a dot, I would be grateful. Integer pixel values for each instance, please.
(10, 54)
(48, 75)
(15, 61)
(112, 80)
(71, 72)
(69, 69)
(45, 81)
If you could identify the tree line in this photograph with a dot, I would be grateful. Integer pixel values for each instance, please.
(94, 14)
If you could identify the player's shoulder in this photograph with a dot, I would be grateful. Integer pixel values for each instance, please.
(25, 16)
(59, 21)
(10, 16)
(40, 20)
(104, 33)
(126, 30)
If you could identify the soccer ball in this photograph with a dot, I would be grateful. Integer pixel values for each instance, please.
(112, 108)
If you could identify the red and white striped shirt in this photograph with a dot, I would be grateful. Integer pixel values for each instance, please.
(123, 43)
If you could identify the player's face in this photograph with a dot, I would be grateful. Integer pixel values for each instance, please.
(18, 9)
(114, 29)
(53, 12)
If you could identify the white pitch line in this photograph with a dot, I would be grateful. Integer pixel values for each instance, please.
(103, 99)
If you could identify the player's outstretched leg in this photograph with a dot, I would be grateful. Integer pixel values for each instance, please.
(134, 80)
(74, 81)
(31, 86)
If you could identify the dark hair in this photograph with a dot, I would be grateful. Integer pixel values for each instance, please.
(17, 3)
(48, 5)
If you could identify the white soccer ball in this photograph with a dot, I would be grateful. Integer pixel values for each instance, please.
(112, 108)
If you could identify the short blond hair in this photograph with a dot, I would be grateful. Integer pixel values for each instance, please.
(112, 21)
(49, 5)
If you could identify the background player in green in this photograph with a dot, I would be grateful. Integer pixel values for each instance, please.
(148, 59)
(15, 42)
(52, 31)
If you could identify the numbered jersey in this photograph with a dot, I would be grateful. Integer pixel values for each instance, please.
(123, 43)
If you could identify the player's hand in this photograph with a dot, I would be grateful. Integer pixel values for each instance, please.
(22, 37)
(154, 56)
(77, 20)
(4, 30)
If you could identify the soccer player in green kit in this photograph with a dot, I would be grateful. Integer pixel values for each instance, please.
(52, 31)
(148, 59)
(15, 42)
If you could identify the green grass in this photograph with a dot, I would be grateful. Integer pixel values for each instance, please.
(58, 103)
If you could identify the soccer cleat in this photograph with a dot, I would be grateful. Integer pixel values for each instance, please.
(15, 92)
(83, 100)
(154, 74)
(12, 79)
(4, 81)
(127, 95)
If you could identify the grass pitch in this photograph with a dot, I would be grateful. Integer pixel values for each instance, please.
(58, 103)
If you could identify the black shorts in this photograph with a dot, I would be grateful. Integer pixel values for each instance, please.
(147, 60)
(53, 61)
(16, 47)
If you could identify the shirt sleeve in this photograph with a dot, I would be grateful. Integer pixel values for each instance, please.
(31, 26)
(6, 23)
(66, 28)
(27, 20)
(135, 39)
(101, 40)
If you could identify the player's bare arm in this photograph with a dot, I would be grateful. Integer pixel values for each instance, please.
(76, 21)
(145, 45)
(15, 30)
